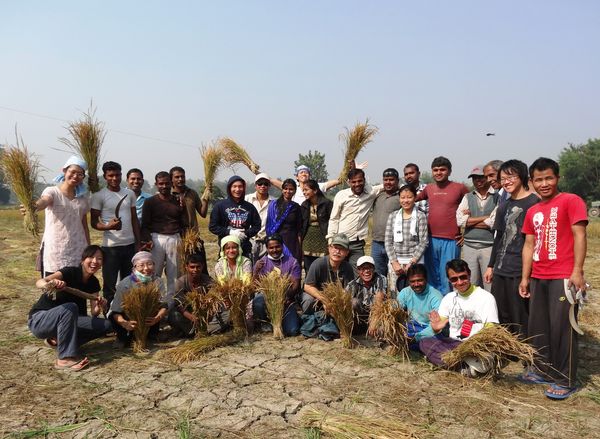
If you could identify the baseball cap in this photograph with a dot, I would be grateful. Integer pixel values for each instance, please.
(477, 171)
(365, 260)
(342, 240)
(261, 176)
(302, 168)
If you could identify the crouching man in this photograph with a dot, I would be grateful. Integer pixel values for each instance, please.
(467, 309)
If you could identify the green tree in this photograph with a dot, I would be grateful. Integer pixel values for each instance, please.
(316, 162)
(580, 169)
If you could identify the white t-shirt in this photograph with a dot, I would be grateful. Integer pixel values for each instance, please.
(479, 307)
(299, 195)
(106, 201)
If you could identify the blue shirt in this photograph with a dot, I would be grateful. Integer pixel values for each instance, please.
(139, 203)
(419, 305)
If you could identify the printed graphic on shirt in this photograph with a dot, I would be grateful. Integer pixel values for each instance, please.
(511, 232)
(545, 234)
(237, 216)
(458, 315)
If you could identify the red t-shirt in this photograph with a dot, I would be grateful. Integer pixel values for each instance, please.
(550, 223)
(443, 203)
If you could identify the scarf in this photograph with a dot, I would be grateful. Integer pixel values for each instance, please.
(398, 234)
(274, 222)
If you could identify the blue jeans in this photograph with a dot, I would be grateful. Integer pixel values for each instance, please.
(117, 264)
(380, 257)
(438, 253)
(291, 321)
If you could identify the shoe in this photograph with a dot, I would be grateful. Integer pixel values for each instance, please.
(266, 327)
(563, 391)
(468, 372)
(51, 343)
(530, 377)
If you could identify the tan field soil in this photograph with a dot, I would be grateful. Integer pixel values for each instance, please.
(262, 387)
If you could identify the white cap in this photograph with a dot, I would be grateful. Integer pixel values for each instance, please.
(365, 260)
(262, 176)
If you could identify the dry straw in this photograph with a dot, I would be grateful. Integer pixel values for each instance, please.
(194, 349)
(235, 153)
(20, 168)
(493, 345)
(388, 320)
(236, 293)
(338, 304)
(274, 287)
(353, 426)
(85, 138)
(140, 302)
(203, 305)
(355, 140)
(212, 157)
(190, 243)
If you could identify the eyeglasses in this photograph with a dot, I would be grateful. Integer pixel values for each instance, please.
(263, 183)
(367, 268)
(144, 265)
(455, 279)
(508, 178)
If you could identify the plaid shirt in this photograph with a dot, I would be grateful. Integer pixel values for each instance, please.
(365, 295)
(412, 246)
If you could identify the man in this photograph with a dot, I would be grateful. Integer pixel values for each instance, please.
(420, 299)
(492, 173)
(385, 203)
(412, 176)
(235, 216)
(194, 279)
(135, 182)
(260, 200)
(188, 198)
(162, 222)
(366, 289)
(444, 197)
(275, 259)
(552, 277)
(476, 214)
(330, 268)
(121, 231)
(504, 268)
(467, 309)
(350, 213)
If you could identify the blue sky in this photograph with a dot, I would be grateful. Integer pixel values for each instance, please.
(283, 77)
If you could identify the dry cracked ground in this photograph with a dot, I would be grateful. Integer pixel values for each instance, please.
(263, 387)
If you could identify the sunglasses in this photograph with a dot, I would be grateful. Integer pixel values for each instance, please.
(262, 183)
(455, 279)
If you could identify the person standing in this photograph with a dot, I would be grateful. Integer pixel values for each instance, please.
(316, 211)
(260, 200)
(135, 182)
(385, 203)
(121, 234)
(285, 218)
(412, 176)
(188, 198)
(552, 277)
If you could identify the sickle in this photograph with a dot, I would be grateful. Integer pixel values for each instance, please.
(571, 295)
(119, 206)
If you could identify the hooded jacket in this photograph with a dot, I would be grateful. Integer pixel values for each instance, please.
(229, 214)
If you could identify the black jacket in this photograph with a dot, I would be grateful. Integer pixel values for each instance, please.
(324, 206)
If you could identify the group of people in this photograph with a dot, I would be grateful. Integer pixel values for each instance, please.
(457, 259)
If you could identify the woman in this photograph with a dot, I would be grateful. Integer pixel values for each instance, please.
(232, 264)
(284, 217)
(405, 237)
(142, 273)
(62, 320)
(66, 231)
(315, 220)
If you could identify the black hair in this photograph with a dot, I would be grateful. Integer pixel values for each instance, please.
(416, 269)
(542, 164)
(354, 172)
(110, 166)
(515, 167)
(413, 165)
(441, 161)
(136, 170)
(194, 258)
(90, 251)
(458, 266)
(274, 237)
(161, 174)
(281, 203)
(391, 172)
(175, 169)
(312, 184)
(408, 187)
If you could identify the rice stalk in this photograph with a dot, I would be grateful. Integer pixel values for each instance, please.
(355, 140)
(85, 139)
(235, 153)
(236, 294)
(20, 169)
(274, 287)
(194, 349)
(494, 345)
(338, 304)
(353, 426)
(140, 302)
(212, 157)
(203, 305)
(388, 320)
(190, 243)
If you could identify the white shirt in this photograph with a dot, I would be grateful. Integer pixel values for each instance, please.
(106, 202)
(350, 212)
(299, 195)
(262, 212)
(479, 307)
(461, 218)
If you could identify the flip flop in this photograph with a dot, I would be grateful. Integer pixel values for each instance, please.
(74, 366)
(532, 378)
(558, 396)
(50, 342)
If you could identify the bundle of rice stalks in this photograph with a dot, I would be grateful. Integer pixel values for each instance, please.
(190, 243)
(493, 346)
(203, 306)
(388, 320)
(139, 303)
(234, 153)
(20, 168)
(212, 157)
(355, 141)
(236, 293)
(194, 349)
(86, 138)
(338, 304)
(352, 426)
(274, 287)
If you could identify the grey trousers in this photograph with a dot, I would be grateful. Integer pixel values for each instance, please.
(69, 328)
(478, 259)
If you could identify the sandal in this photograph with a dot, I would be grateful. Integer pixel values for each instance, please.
(74, 366)
(559, 392)
(532, 378)
(51, 342)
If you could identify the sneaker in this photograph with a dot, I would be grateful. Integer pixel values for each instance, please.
(468, 372)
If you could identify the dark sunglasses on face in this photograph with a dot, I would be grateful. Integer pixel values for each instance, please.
(262, 183)
(455, 279)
